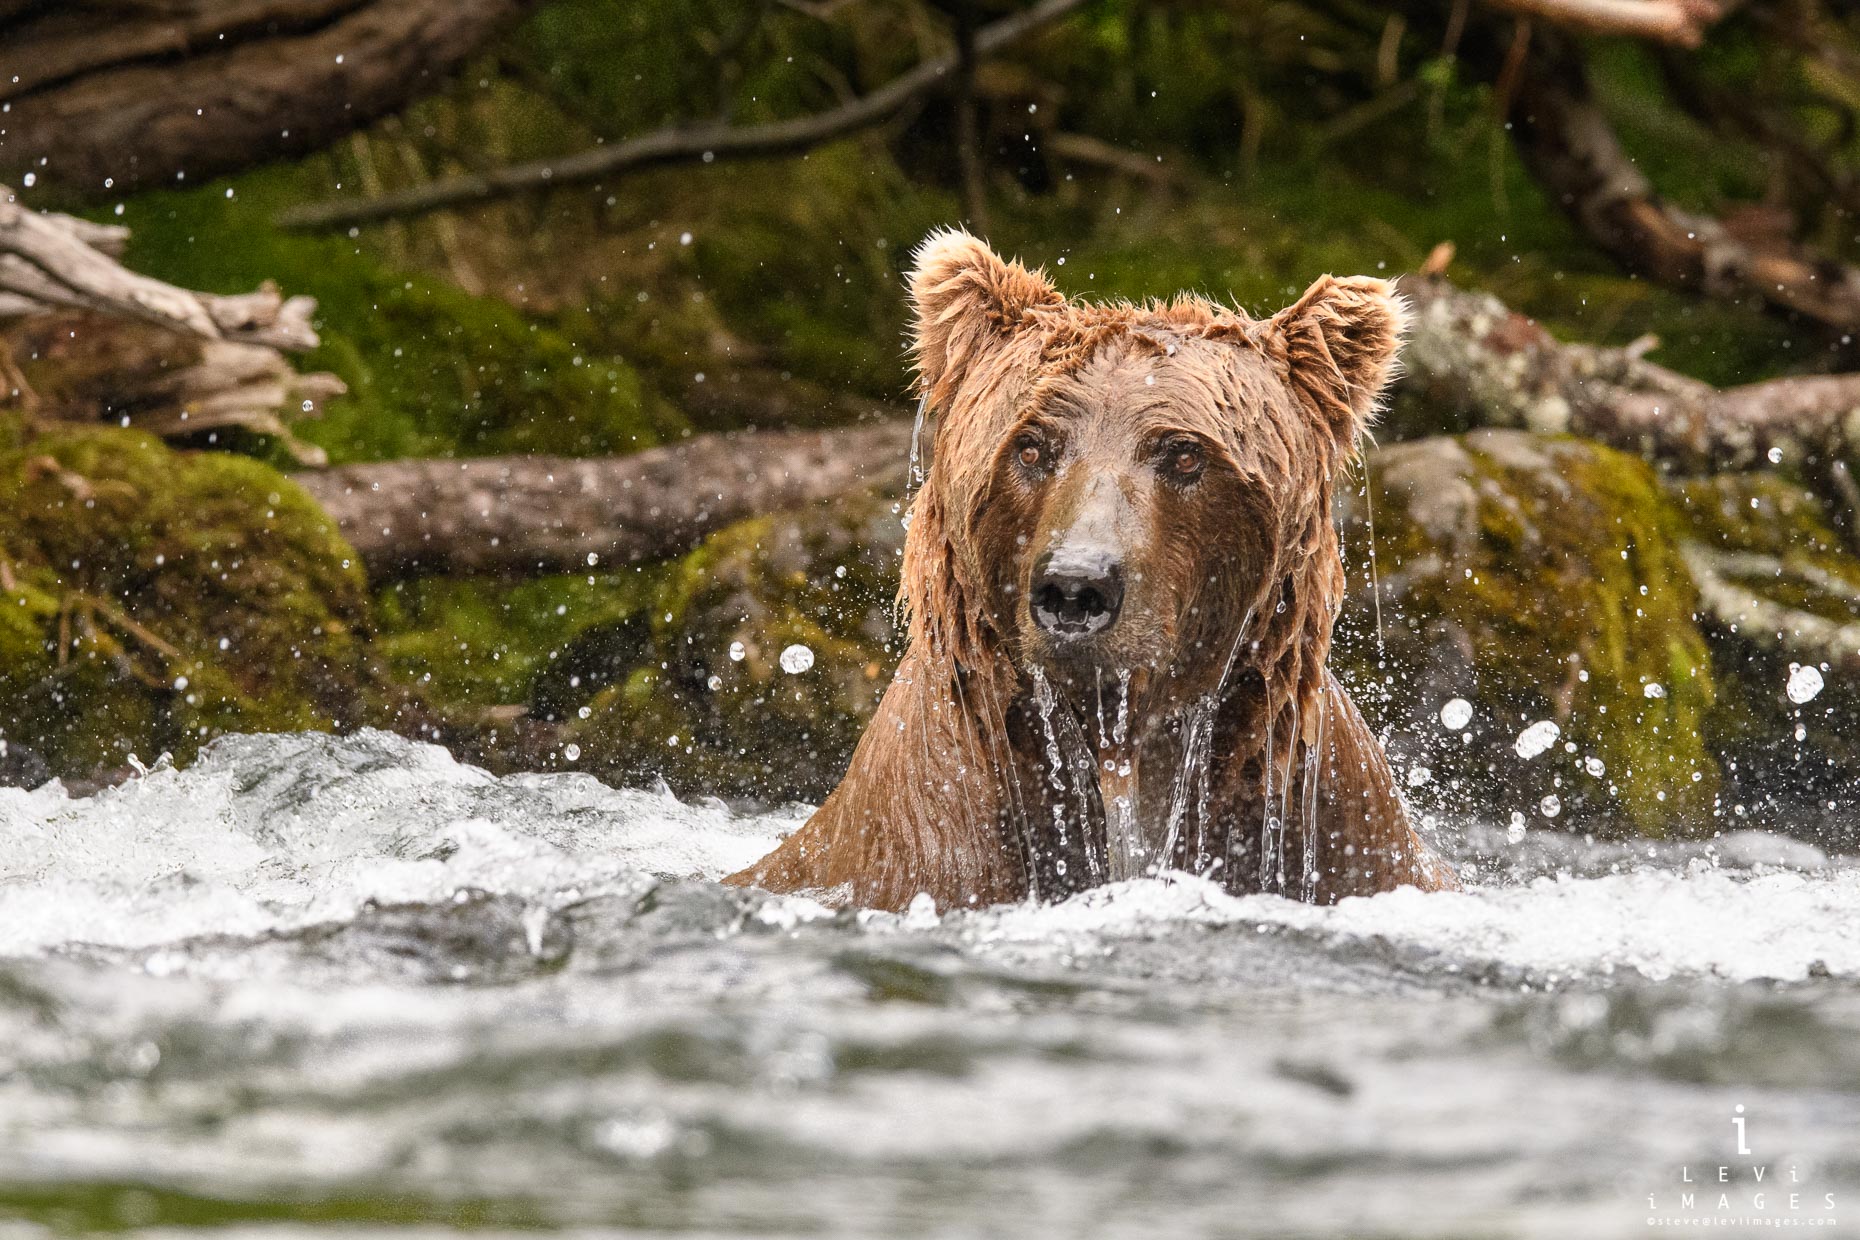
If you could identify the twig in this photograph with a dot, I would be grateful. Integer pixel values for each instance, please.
(1680, 22)
(1569, 146)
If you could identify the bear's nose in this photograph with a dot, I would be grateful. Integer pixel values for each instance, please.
(1077, 595)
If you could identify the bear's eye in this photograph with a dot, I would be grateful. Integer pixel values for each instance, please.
(1183, 459)
(1032, 454)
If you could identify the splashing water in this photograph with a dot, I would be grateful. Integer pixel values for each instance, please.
(313, 978)
(917, 472)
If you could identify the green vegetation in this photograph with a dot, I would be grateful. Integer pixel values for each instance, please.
(431, 370)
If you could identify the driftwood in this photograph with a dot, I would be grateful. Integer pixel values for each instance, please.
(83, 338)
(114, 95)
(1742, 613)
(536, 514)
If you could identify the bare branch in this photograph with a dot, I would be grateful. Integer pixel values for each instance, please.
(51, 261)
(706, 143)
(1570, 147)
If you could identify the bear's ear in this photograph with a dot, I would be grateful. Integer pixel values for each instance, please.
(1339, 344)
(967, 299)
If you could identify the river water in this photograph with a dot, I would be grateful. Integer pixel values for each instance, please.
(347, 984)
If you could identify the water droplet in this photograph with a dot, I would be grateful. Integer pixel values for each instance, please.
(796, 659)
(1550, 806)
(1595, 767)
(737, 652)
(1515, 832)
(1804, 683)
(715, 683)
(1456, 714)
(1536, 738)
(1653, 690)
(1418, 776)
(572, 752)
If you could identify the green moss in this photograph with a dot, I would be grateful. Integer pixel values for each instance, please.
(431, 370)
(467, 645)
(159, 598)
(1550, 571)
(710, 707)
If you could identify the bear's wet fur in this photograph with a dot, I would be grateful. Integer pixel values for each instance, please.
(1120, 579)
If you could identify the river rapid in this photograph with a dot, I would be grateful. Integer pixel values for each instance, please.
(350, 985)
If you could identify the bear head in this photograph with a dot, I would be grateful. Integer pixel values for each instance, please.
(1137, 493)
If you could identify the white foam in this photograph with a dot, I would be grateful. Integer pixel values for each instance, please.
(1705, 921)
(267, 833)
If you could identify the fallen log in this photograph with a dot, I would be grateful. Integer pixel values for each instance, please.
(1470, 355)
(536, 514)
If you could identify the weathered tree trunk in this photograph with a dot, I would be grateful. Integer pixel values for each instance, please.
(144, 94)
(537, 514)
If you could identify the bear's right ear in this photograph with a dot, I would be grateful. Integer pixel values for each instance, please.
(967, 299)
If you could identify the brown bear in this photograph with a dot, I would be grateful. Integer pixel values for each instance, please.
(1120, 578)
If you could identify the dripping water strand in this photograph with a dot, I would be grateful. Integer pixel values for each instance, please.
(1191, 775)
(1121, 728)
(1268, 827)
(1285, 788)
(914, 481)
(1056, 765)
(1308, 810)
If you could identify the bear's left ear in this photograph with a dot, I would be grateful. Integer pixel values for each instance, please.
(967, 300)
(1340, 341)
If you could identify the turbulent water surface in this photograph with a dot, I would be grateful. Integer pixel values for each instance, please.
(351, 984)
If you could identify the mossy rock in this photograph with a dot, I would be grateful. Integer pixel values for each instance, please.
(154, 599)
(1788, 763)
(711, 708)
(1539, 579)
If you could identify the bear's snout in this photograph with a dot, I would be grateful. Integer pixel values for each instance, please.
(1077, 593)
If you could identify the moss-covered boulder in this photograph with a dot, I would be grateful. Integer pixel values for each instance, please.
(151, 599)
(1540, 580)
(765, 652)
